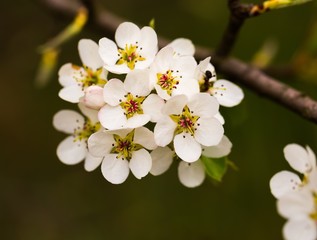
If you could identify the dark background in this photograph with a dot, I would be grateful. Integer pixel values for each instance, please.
(42, 199)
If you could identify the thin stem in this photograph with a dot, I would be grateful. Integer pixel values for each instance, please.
(238, 13)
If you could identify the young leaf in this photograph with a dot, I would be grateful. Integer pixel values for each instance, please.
(215, 167)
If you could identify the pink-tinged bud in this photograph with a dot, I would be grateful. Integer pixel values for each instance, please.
(94, 97)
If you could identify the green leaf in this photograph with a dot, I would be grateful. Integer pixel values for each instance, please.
(215, 167)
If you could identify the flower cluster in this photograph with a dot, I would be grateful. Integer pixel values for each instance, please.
(165, 106)
(296, 197)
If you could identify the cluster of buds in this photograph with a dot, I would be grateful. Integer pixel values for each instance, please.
(158, 106)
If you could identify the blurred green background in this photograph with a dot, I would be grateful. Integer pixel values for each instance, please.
(42, 199)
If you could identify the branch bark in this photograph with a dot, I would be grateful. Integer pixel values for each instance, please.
(235, 69)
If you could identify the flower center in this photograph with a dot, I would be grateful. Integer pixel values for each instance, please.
(167, 81)
(132, 105)
(314, 214)
(85, 132)
(124, 147)
(186, 122)
(129, 56)
(89, 77)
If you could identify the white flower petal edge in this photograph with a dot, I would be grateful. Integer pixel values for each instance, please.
(296, 204)
(99, 144)
(71, 152)
(67, 121)
(191, 174)
(164, 131)
(140, 163)
(298, 158)
(284, 182)
(220, 150)
(152, 106)
(162, 158)
(300, 229)
(88, 52)
(227, 93)
(186, 147)
(145, 137)
(114, 170)
(91, 162)
(209, 131)
(182, 47)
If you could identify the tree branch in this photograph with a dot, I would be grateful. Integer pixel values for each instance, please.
(235, 69)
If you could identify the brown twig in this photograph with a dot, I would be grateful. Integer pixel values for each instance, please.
(238, 13)
(235, 69)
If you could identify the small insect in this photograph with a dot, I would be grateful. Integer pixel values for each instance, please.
(207, 76)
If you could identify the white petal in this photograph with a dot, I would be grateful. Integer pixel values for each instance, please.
(202, 67)
(301, 229)
(113, 92)
(145, 137)
(138, 120)
(70, 152)
(127, 33)
(209, 132)
(298, 158)
(88, 52)
(187, 86)
(203, 105)
(175, 105)
(71, 93)
(284, 182)
(164, 131)
(161, 92)
(152, 106)
(140, 163)
(67, 121)
(91, 114)
(220, 150)
(296, 204)
(66, 75)
(184, 66)
(311, 157)
(162, 158)
(163, 60)
(108, 51)
(115, 170)
(91, 162)
(182, 47)
(312, 180)
(100, 144)
(118, 69)
(191, 174)
(94, 97)
(112, 118)
(227, 93)
(186, 147)
(220, 118)
(137, 82)
(148, 43)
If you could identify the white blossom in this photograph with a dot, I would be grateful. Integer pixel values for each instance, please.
(193, 174)
(73, 149)
(128, 104)
(182, 47)
(227, 93)
(122, 151)
(135, 48)
(75, 79)
(300, 159)
(189, 123)
(172, 76)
